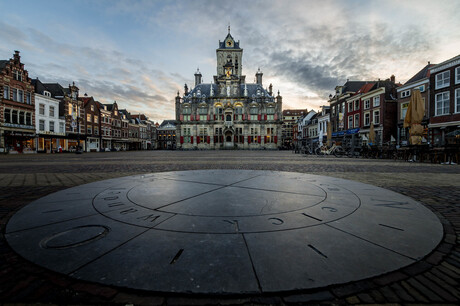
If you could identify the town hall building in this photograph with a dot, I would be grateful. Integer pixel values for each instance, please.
(228, 113)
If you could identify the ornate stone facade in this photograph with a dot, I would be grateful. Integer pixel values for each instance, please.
(228, 113)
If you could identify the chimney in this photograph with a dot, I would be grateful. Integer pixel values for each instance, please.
(259, 77)
(17, 57)
(197, 77)
(393, 78)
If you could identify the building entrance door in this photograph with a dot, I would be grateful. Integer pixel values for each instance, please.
(228, 139)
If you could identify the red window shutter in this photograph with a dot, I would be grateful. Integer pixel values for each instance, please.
(259, 139)
(214, 117)
(244, 116)
(259, 117)
(266, 139)
(235, 138)
(197, 117)
(209, 117)
(249, 139)
(192, 117)
(276, 139)
(265, 117)
(198, 139)
(181, 139)
(181, 118)
(276, 116)
(191, 139)
(209, 139)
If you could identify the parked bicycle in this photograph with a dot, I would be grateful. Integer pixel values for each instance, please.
(335, 150)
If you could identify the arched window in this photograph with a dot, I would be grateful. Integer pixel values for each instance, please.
(228, 117)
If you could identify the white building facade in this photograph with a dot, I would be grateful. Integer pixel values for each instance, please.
(50, 129)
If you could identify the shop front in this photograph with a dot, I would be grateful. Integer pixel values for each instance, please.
(19, 141)
(51, 143)
(92, 144)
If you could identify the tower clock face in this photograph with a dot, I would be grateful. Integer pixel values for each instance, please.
(229, 43)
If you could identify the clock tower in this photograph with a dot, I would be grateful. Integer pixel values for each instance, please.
(229, 51)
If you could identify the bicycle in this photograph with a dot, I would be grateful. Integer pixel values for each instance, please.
(337, 151)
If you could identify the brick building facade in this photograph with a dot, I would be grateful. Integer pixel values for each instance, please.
(17, 107)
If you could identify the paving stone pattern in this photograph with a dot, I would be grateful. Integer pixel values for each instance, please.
(432, 280)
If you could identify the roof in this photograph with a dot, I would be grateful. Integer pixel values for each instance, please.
(109, 107)
(140, 116)
(294, 112)
(126, 113)
(56, 89)
(424, 73)
(166, 123)
(86, 100)
(353, 86)
(204, 90)
(236, 44)
(365, 88)
(39, 87)
(3, 63)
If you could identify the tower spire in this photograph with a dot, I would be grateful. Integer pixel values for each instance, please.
(229, 28)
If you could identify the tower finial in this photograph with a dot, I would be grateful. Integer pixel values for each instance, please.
(229, 28)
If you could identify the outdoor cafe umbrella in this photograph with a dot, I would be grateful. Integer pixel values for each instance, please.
(329, 134)
(371, 134)
(414, 116)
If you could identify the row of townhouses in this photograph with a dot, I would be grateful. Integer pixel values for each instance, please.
(47, 117)
(356, 105)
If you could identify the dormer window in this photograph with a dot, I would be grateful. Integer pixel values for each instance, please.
(47, 93)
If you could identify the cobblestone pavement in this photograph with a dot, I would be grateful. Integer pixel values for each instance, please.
(433, 280)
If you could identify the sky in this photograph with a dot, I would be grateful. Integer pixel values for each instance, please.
(141, 53)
